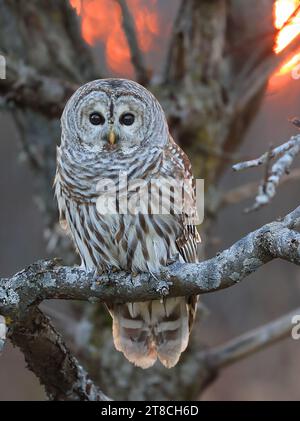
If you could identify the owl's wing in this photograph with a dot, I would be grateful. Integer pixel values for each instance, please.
(189, 238)
(61, 203)
(179, 167)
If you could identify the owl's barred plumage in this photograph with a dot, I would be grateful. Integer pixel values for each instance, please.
(136, 242)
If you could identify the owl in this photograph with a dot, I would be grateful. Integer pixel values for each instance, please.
(112, 127)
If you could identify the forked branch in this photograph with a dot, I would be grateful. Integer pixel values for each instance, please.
(249, 190)
(284, 155)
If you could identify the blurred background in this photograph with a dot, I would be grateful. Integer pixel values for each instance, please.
(272, 374)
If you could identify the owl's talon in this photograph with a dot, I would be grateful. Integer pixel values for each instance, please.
(109, 270)
(97, 274)
(132, 276)
(149, 277)
(154, 276)
(108, 273)
(163, 289)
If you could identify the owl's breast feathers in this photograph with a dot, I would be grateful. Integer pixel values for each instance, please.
(135, 242)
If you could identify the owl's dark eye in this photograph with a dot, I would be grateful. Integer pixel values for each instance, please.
(96, 119)
(127, 119)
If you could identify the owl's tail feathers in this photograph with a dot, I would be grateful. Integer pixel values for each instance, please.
(132, 335)
(153, 329)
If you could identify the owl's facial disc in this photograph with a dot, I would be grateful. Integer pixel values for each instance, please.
(110, 121)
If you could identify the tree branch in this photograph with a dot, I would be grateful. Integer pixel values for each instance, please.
(45, 280)
(47, 356)
(27, 88)
(137, 58)
(250, 342)
(285, 155)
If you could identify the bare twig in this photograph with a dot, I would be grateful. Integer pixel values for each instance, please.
(137, 58)
(285, 155)
(290, 19)
(251, 342)
(275, 153)
(246, 191)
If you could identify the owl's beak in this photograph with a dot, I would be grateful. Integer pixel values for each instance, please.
(112, 136)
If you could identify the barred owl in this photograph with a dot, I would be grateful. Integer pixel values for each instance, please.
(111, 126)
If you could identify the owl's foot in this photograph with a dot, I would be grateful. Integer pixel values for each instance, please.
(133, 275)
(152, 275)
(163, 286)
(101, 273)
(108, 271)
(97, 274)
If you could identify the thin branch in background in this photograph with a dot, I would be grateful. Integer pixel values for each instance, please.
(263, 159)
(137, 59)
(285, 155)
(290, 19)
(250, 342)
(268, 168)
(246, 191)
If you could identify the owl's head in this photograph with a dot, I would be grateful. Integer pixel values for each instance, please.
(113, 114)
